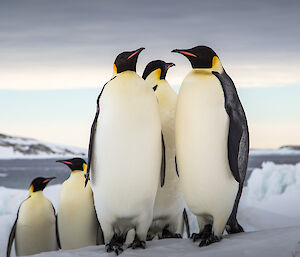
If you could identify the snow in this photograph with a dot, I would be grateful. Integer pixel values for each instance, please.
(269, 211)
(14, 148)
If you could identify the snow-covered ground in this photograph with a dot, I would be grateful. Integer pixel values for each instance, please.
(20, 148)
(269, 212)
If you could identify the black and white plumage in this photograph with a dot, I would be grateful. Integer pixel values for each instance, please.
(212, 144)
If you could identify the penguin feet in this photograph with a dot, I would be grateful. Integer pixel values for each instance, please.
(234, 227)
(115, 245)
(149, 237)
(114, 248)
(207, 241)
(137, 243)
(204, 234)
(167, 234)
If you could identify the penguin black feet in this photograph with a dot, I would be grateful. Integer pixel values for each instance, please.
(115, 245)
(137, 243)
(167, 234)
(234, 227)
(205, 233)
(207, 241)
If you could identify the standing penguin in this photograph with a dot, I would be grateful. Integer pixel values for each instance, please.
(34, 230)
(76, 216)
(212, 144)
(126, 154)
(169, 203)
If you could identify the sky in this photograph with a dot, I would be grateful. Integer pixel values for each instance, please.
(56, 55)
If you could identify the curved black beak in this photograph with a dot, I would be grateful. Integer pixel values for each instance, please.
(136, 52)
(184, 52)
(169, 65)
(47, 180)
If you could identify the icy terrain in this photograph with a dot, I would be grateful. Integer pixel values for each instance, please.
(19, 147)
(269, 211)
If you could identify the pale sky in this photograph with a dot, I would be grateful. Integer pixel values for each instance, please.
(56, 55)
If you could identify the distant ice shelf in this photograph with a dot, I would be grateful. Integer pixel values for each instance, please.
(26, 148)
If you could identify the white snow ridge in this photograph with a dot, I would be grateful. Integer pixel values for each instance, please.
(269, 212)
(20, 148)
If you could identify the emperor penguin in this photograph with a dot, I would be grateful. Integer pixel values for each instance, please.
(126, 155)
(212, 144)
(34, 230)
(169, 203)
(77, 222)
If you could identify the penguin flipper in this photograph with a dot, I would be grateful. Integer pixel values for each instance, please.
(56, 229)
(238, 135)
(176, 167)
(186, 222)
(11, 237)
(163, 161)
(93, 129)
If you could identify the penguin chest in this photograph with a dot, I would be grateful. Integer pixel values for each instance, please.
(77, 221)
(202, 127)
(127, 148)
(36, 227)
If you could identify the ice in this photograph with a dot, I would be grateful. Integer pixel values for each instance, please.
(269, 208)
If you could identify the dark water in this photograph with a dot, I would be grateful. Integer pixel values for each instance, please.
(19, 173)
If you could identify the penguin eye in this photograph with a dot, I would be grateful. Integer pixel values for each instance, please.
(154, 88)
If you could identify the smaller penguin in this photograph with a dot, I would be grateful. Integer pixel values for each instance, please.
(35, 230)
(169, 203)
(78, 225)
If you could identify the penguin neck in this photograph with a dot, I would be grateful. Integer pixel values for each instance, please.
(154, 77)
(36, 194)
(76, 175)
(166, 95)
(217, 68)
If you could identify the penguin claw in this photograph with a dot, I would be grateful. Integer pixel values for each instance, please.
(204, 234)
(167, 234)
(114, 248)
(210, 240)
(137, 243)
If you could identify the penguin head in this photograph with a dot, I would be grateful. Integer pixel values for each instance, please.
(39, 183)
(202, 57)
(156, 70)
(126, 61)
(77, 164)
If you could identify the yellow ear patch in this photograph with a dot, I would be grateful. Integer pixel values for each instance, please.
(157, 73)
(215, 60)
(84, 166)
(115, 69)
(31, 188)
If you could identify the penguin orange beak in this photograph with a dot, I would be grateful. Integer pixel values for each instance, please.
(136, 52)
(184, 52)
(47, 180)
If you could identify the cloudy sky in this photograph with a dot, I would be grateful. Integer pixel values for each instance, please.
(56, 55)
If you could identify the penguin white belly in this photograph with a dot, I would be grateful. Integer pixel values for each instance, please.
(77, 221)
(202, 126)
(127, 151)
(36, 226)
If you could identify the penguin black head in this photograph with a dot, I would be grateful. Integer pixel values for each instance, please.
(126, 61)
(201, 57)
(39, 183)
(75, 164)
(159, 67)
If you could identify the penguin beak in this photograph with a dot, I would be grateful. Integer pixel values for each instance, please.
(47, 180)
(184, 52)
(67, 162)
(169, 65)
(136, 52)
